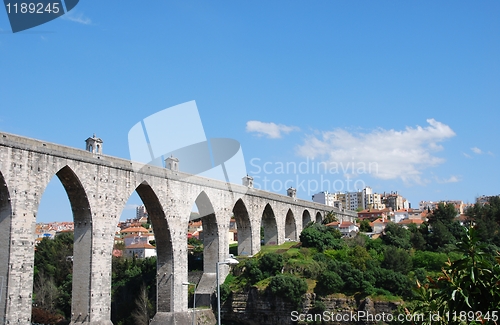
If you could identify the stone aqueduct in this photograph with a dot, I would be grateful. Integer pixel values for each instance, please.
(98, 187)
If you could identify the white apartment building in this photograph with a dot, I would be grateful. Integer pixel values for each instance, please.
(354, 200)
(363, 199)
(140, 212)
(327, 198)
(371, 200)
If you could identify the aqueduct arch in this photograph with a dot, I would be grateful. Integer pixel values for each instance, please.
(97, 187)
(244, 228)
(290, 226)
(270, 226)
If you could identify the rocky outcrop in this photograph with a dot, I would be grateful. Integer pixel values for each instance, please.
(254, 308)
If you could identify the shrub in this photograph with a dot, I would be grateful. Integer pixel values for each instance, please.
(252, 271)
(329, 282)
(397, 235)
(397, 259)
(321, 237)
(430, 261)
(271, 264)
(288, 287)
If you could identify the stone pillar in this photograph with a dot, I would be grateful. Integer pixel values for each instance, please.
(172, 271)
(5, 229)
(107, 193)
(25, 183)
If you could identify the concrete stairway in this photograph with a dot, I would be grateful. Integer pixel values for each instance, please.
(206, 287)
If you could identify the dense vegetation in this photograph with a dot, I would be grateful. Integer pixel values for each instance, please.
(440, 266)
(133, 285)
(53, 279)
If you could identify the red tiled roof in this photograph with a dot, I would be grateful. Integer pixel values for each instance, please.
(140, 245)
(408, 221)
(136, 235)
(135, 229)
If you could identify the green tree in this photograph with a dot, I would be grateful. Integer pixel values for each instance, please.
(443, 230)
(252, 271)
(144, 309)
(444, 213)
(417, 238)
(397, 259)
(290, 288)
(329, 282)
(321, 237)
(469, 284)
(486, 220)
(397, 235)
(364, 226)
(394, 282)
(128, 277)
(329, 218)
(358, 257)
(271, 264)
(431, 261)
(53, 274)
(440, 237)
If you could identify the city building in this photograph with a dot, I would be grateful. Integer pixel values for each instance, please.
(327, 198)
(346, 228)
(373, 214)
(140, 250)
(141, 214)
(395, 201)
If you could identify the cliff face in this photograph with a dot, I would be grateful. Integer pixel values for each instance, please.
(253, 308)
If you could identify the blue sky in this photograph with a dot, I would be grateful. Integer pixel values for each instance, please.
(411, 89)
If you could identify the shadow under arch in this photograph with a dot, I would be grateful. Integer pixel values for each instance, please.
(319, 218)
(82, 247)
(290, 226)
(5, 228)
(210, 232)
(164, 249)
(270, 227)
(244, 228)
(306, 219)
(205, 286)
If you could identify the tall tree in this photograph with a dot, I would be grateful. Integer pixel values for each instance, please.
(330, 217)
(486, 218)
(467, 290)
(397, 235)
(444, 213)
(142, 312)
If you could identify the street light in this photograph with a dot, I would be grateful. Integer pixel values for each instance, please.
(228, 261)
(194, 297)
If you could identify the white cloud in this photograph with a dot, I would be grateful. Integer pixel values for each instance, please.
(466, 155)
(77, 17)
(385, 154)
(452, 179)
(271, 130)
(476, 150)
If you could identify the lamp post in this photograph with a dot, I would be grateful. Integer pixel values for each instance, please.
(228, 261)
(194, 297)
